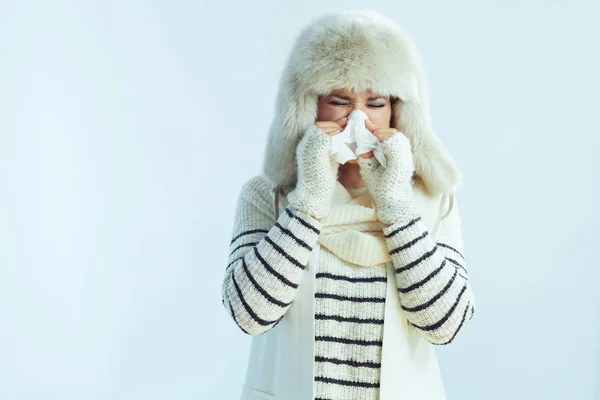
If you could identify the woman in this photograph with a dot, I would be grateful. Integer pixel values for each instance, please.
(348, 275)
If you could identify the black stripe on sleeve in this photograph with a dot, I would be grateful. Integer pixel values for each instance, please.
(283, 253)
(290, 234)
(453, 261)
(242, 245)
(278, 321)
(249, 309)
(417, 261)
(445, 317)
(459, 326)
(409, 244)
(404, 227)
(273, 272)
(424, 280)
(261, 290)
(248, 233)
(303, 222)
(451, 248)
(434, 298)
(233, 262)
(234, 318)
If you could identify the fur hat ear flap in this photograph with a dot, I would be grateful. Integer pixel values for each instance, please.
(433, 164)
(294, 114)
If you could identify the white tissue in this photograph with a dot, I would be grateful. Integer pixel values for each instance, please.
(355, 140)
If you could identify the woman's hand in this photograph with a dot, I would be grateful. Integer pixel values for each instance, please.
(391, 186)
(332, 127)
(317, 169)
(380, 133)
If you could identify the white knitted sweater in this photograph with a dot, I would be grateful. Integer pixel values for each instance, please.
(267, 263)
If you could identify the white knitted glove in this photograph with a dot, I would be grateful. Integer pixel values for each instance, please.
(391, 187)
(317, 174)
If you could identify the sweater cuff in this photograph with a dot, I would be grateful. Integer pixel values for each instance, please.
(401, 217)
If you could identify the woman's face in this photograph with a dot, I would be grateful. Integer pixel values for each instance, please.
(340, 103)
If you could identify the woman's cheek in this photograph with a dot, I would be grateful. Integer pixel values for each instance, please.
(380, 120)
(336, 114)
(327, 113)
(381, 117)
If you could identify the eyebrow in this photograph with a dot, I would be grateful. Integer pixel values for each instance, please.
(348, 98)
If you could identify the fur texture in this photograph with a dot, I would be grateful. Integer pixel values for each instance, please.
(356, 50)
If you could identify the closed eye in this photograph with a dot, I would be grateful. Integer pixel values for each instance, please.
(338, 103)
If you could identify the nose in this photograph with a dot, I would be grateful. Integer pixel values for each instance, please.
(358, 106)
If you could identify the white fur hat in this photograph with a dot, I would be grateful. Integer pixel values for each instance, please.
(356, 50)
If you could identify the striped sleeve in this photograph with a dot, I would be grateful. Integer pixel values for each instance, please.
(267, 259)
(431, 276)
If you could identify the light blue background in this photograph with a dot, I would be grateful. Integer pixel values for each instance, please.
(128, 128)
